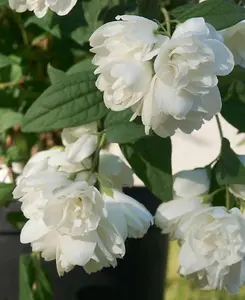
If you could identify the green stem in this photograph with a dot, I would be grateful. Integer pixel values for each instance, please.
(209, 197)
(19, 22)
(220, 133)
(4, 85)
(170, 22)
(96, 157)
(217, 191)
(227, 198)
(36, 255)
(219, 127)
(97, 154)
(167, 20)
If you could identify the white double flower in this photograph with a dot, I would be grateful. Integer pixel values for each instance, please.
(123, 50)
(69, 219)
(211, 238)
(177, 90)
(184, 91)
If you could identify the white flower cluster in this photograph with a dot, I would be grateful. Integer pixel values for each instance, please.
(69, 219)
(212, 239)
(5, 174)
(171, 82)
(40, 7)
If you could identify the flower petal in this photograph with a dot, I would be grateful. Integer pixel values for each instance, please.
(78, 251)
(82, 148)
(33, 230)
(223, 58)
(191, 26)
(192, 183)
(169, 101)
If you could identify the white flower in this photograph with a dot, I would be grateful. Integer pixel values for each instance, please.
(186, 69)
(54, 159)
(234, 39)
(74, 217)
(169, 215)
(188, 190)
(4, 174)
(213, 248)
(124, 82)
(17, 167)
(32, 191)
(122, 50)
(40, 7)
(115, 170)
(69, 220)
(80, 142)
(76, 209)
(238, 190)
(130, 217)
(39, 178)
(129, 37)
(60, 162)
(39, 162)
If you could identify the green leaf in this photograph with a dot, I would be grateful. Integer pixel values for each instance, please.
(16, 73)
(149, 9)
(97, 12)
(78, 25)
(178, 11)
(217, 198)
(43, 289)
(93, 14)
(9, 118)
(119, 129)
(150, 158)
(3, 2)
(219, 13)
(46, 23)
(92, 11)
(71, 102)
(16, 219)
(26, 274)
(6, 190)
(5, 60)
(125, 133)
(15, 154)
(33, 280)
(233, 107)
(238, 73)
(82, 20)
(119, 7)
(55, 75)
(229, 169)
(75, 25)
(81, 66)
(115, 118)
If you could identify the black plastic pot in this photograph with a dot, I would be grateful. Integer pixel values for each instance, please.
(140, 275)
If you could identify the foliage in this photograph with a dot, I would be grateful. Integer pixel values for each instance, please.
(34, 283)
